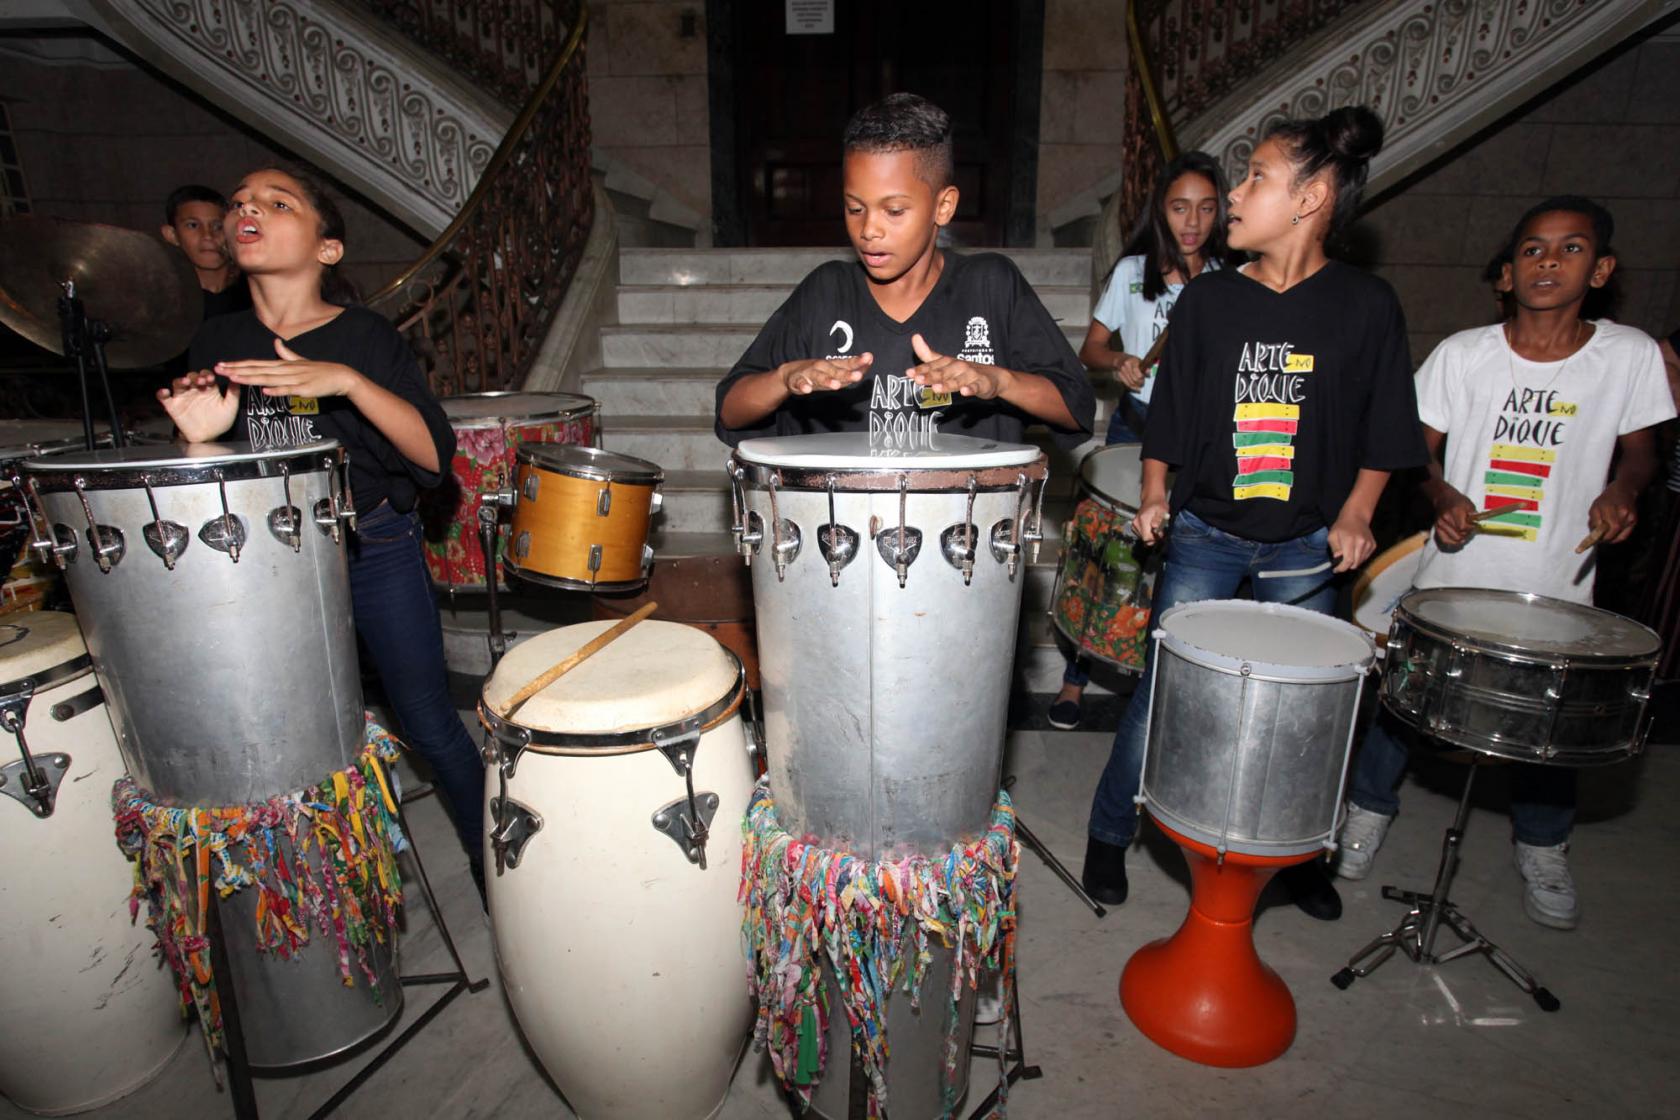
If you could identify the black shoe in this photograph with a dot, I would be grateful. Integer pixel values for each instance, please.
(1310, 887)
(1104, 878)
(1064, 715)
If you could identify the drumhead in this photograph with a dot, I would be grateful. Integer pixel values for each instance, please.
(34, 643)
(24, 439)
(590, 462)
(194, 456)
(654, 674)
(1272, 638)
(853, 451)
(1529, 624)
(487, 410)
(1384, 581)
(1114, 474)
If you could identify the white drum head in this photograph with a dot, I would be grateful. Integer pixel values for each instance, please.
(37, 641)
(655, 674)
(156, 457)
(496, 408)
(1114, 473)
(1303, 644)
(1385, 581)
(849, 451)
(1530, 624)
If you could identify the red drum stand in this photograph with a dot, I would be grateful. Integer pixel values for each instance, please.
(1204, 993)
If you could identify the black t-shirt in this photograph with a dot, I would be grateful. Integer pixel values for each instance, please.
(368, 344)
(1270, 403)
(981, 309)
(235, 297)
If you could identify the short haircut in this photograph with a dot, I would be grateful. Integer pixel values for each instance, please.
(905, 122)
(1603, 225)
(192, 192)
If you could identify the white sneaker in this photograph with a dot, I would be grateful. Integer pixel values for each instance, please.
(1549, 897)
(1362, 835)
(988, 1001)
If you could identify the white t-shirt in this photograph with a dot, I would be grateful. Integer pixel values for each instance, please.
(1138, 321)
(1535, 438)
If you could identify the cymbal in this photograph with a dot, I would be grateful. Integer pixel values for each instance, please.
(145, 291)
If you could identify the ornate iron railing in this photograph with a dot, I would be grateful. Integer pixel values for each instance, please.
(502, 45)
(477, 305)
(1196, 52)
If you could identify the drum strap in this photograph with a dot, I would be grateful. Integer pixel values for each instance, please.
(351, 893)
(877, 925)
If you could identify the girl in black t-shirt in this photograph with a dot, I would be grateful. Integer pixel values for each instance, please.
(303, 366)
(1283, 402)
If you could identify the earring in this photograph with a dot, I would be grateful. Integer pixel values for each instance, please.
(1295, 221)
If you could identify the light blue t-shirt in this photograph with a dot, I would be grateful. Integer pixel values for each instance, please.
(1138, 321)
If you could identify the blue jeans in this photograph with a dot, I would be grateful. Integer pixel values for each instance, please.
(397, 620)
(1203, 563)
(1542, 797)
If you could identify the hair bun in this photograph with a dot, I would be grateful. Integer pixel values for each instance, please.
(1353, 133)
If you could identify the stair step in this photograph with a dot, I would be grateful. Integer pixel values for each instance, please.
(755, 303)
(691, 345)
(641, 390)
(675, 442)
(1069, 267)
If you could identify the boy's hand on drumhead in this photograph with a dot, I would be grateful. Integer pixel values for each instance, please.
(200, 410)
(1613, 514)
(1452, 520)
(1150, 521)
(1130, 372)
(943, 374)
(1351, 542)
(824, 375)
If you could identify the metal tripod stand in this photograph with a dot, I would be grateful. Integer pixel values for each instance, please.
(1415, 935)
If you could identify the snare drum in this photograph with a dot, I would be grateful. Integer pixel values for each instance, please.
(1250, 724)
(89, 1016)
(490, 428)
(1382, 584)
(1103, 586)
(581, 517)
(1521, 676)
(619, 935)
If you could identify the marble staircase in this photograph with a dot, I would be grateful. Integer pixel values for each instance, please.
(683, 318)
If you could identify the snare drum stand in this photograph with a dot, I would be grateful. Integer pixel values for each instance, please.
(1415, 935)
(233, 1050)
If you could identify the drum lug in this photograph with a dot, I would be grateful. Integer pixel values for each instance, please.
(673, 820)
(958, 541)
(62, 548)
(656, 501)
(784, 548)
(286, 521)
(749, 537)
(105, 541)
(167, 539)
(522, 545)
(515, 825)
(838, 543)
(225, 533)
(678, 742)
(530, 486)
(603, 500)
(899, 548)
(32, 782)
(747, 526)
(647, 560)
(1006, 548)
(326, 517)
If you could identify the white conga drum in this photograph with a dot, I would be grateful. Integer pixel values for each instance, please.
(86, 1013)
(616, 922)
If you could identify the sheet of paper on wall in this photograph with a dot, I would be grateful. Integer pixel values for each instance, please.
(810, 17)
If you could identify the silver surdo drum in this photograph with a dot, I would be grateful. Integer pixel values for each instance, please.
(887, 589)
(1250, 723)
(1520, 676)
(212, 584)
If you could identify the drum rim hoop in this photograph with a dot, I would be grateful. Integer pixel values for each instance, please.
(635, 741)
(1569, 758)
(567, 583)
(322, 455)
(73, 669)
(648, 474)
(1509, 652)
(943, 479)
(587, 406)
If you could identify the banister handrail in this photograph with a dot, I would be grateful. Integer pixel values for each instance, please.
(1143, 67)
(504, 152)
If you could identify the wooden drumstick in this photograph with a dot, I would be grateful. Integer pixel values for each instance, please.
(1591, 539)
(1483, 514)
(1155, 349)
(575, 658)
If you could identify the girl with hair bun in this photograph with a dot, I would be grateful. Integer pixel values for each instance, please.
(1283, 401)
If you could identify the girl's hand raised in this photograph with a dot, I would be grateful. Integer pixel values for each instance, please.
(200, 410)
(293, 375)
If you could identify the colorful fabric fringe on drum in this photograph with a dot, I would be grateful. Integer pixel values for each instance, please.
(349, 819)
(877, 924)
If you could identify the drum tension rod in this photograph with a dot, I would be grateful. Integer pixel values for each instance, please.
(838, 543)
(286, 522)
(105, 540)
(900, 547)
(26, 780)
(748, 527)
(692, 829)
(44, 539)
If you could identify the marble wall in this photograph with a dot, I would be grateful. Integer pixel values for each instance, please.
(1081, 111)
(1611, 132)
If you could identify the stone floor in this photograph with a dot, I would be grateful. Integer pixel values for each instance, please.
(1406, 1041)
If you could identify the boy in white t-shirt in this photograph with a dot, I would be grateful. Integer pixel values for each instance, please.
(1537, 408)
